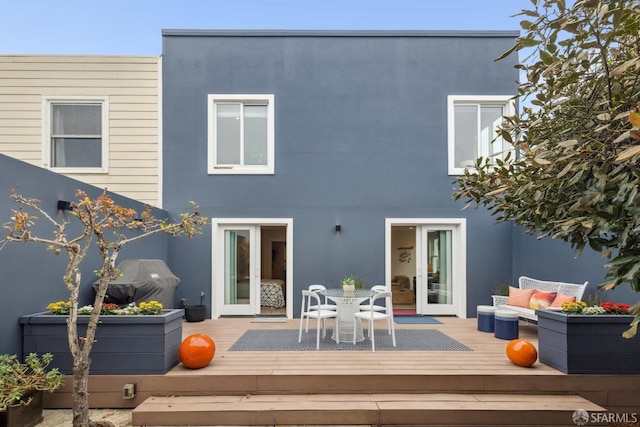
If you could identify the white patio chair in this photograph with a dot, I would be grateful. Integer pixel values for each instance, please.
(325, 304)
(321, 316)
(371, 316)
(377, 289)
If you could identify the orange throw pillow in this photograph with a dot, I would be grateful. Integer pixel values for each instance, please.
(541, 300)
(519, 297)
(562, 298)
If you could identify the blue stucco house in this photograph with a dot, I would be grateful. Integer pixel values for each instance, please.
(317, 155)
(322, 154)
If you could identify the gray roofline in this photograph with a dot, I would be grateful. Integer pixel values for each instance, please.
(341, 33)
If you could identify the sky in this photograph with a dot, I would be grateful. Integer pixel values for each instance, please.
(134, 27)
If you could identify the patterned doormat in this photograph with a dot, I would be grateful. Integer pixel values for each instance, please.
(287, 340)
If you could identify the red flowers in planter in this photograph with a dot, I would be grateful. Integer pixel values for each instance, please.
(109, 308)
(615, 308)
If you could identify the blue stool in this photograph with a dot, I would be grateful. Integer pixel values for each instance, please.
(486, 318)
(506, 324)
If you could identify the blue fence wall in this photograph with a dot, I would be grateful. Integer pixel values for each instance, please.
(32, 276)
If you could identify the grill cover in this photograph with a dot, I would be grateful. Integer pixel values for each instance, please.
(142, 280)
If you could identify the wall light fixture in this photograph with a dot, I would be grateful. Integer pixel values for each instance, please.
(64, 205)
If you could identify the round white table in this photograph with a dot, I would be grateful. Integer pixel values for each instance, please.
(347, 305)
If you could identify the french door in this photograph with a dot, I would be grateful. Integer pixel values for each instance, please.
(434, 253)
(239, 272)
(436, 284)
(243, 251)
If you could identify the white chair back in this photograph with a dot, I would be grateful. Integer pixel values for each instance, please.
(387, 299)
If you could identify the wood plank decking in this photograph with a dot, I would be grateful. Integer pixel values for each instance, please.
(381, 388)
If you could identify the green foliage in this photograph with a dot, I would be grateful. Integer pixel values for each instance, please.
(357, 282)
(594, 299)
(18, 379)
(501, 289)
(575, 171)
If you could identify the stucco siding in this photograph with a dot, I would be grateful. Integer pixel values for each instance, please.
(131, 85)
(360, 137)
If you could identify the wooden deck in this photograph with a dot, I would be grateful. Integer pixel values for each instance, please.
(487, 358)
(482, 380)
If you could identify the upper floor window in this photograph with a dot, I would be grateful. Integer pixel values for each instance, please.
(472, 124)
(241, 134)
(75, 134)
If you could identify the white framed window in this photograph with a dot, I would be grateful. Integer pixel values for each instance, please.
(472, 122)
(75, 134)
(241, 134)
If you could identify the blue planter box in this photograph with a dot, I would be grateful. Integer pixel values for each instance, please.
(581, 344)
(124, 344)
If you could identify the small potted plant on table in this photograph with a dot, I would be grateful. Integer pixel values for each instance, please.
(351, 283)
(21, 388)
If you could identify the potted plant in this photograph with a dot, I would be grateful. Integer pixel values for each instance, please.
(135, 339)
(21, 388)
(351, 283)
(584, 339)
(195, 313)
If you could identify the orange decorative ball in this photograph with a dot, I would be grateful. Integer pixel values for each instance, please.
(522, 352)
(196, 351)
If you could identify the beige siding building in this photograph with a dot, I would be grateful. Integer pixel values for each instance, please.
(93, 118)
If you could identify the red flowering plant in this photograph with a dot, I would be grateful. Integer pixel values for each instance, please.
(109, 308)
(615, 308)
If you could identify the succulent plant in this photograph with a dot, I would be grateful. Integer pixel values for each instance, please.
(17, 379)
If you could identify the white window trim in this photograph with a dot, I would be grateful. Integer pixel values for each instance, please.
(46, 132)
(212, 168)
(504, 100)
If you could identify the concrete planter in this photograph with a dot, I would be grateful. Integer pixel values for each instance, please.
(581, 344)
(124, 344)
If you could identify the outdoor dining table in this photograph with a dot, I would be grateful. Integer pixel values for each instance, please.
(348, 303)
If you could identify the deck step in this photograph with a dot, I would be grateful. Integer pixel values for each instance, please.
(459, 409)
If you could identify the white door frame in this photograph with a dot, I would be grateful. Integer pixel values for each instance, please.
(217, 259)
(459, 259)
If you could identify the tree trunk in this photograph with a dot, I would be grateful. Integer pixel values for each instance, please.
(81, 359)
(81, 391)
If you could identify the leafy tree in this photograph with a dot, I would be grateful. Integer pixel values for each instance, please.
(111, 227)
(573, 173)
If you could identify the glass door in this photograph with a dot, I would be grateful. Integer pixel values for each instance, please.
(240, 273)
(435, 255)
(437, 279)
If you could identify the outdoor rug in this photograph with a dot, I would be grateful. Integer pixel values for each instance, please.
(287, 340)
(416, 320)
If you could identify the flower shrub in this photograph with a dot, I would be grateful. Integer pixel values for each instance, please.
(581, 307)
(593, 310)
(574, 307)
(151, 307)
(145, 308)
(109, 308)
(59, 307)
(613, 308)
